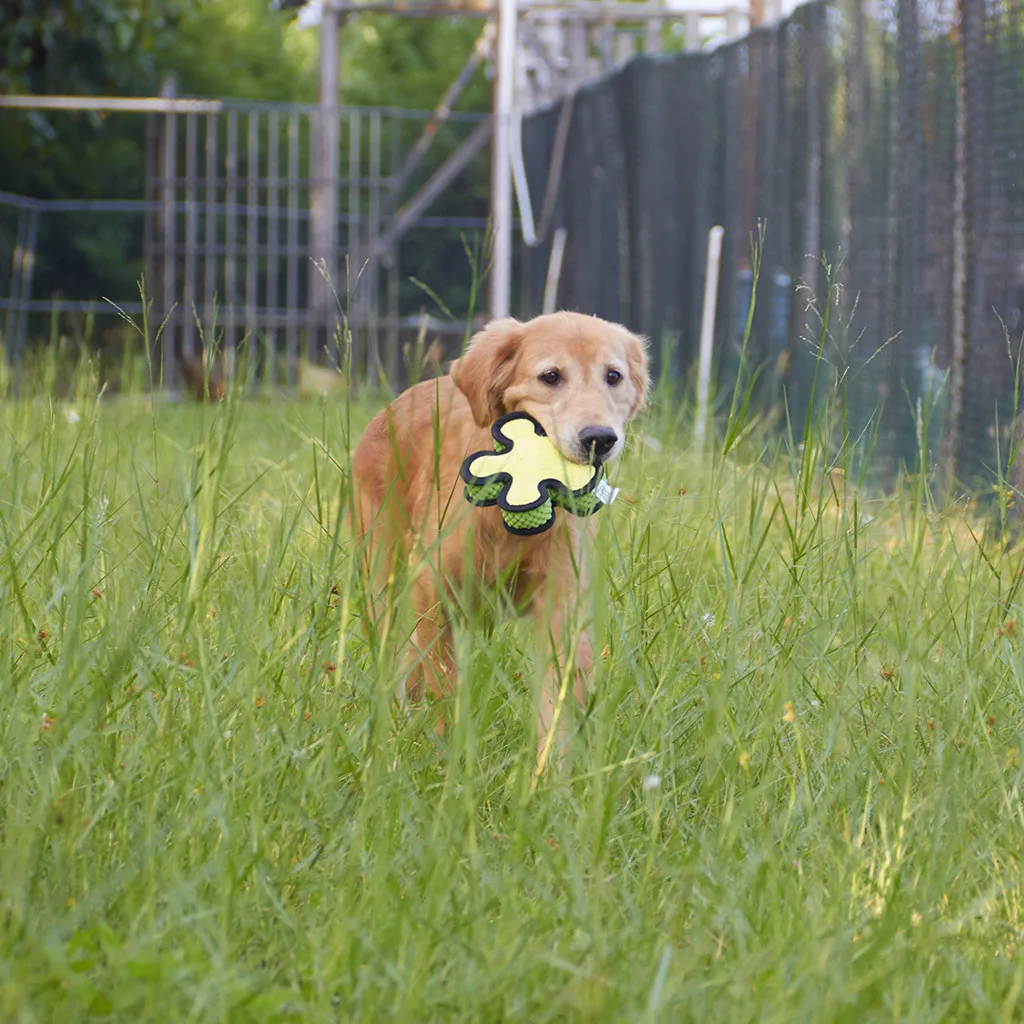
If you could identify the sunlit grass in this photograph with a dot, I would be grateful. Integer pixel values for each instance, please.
(796, 794)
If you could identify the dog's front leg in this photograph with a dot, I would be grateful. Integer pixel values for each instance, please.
(432, 647)
(558, 616)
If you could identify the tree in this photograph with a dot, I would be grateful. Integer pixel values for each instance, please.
(235, 48)
(409, 62)
(85, 46)
(242, 49)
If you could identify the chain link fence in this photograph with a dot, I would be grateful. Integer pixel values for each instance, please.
(881, 144)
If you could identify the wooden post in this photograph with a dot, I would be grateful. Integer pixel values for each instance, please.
(373, 266)
(17, 260)
(252, 157)
(151, 224)
(324, 200)
(24, 282)
(210, 224)
(191, 236)
(391, 258)
(291, 341)
(167, 195)
(394, 318)
(958, 284)
(230, 248)
(353, 284)
(273, 257)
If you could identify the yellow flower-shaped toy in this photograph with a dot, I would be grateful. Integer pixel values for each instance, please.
(527, 478)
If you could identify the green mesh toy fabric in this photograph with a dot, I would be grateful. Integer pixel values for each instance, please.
(528, 482)
(486, 494)
(534, 520)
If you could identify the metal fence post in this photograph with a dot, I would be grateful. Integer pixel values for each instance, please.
(273, 251)
(291, 253)
(353, 288)
(17, 265)
(23, 297)
(168, 190)
(252, 211)
(958, 282)
(188, 325)
(373, 267)
(210, 225)
(230, 249)
(323, 229)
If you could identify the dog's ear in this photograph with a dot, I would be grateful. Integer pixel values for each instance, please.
(639, 370)
(484, 373)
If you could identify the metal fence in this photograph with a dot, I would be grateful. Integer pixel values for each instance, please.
(885, 137)
(243, 227)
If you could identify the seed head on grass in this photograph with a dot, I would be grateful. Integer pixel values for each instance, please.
(652, 783)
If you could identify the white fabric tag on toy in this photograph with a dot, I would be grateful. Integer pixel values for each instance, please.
(605, 493)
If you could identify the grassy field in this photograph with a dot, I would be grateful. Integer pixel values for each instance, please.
(796, 794)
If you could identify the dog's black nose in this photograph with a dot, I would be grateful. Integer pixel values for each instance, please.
(599, 441)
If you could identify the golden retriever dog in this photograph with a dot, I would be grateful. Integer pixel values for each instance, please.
(583, 379)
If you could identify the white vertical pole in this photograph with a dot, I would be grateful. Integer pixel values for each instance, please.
(501, 168)
(554, 271)
(707, 331)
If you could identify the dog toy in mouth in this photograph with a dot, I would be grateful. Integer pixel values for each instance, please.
(527, 478)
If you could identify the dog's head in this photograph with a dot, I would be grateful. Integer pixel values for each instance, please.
(583, 379)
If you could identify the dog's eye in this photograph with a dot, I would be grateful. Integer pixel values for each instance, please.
(613, 377)
(551, 377)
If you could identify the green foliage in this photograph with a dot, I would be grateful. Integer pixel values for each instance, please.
(222, 48)
(85, 46)
(409, 62)
(233, 48)
(243, 49)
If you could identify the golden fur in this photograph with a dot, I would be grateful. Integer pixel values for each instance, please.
(408, 493)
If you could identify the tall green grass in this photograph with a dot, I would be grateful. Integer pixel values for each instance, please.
(795, 795)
